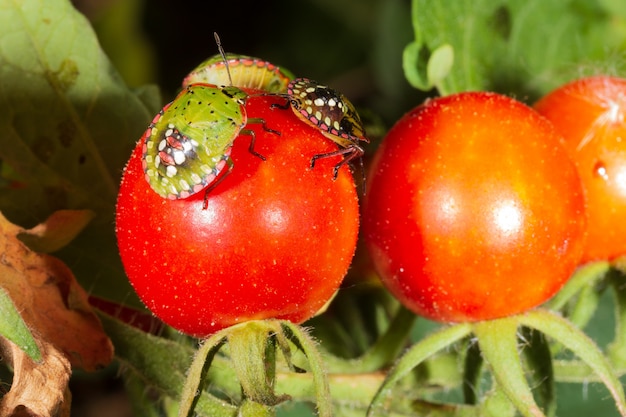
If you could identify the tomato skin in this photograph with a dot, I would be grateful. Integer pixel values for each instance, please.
(275, 241)
(589, 113)
(473, 210)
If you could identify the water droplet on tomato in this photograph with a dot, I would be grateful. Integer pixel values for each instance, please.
(599, 170)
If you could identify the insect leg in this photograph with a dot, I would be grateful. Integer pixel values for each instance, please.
(252, 142)
(281, 106)
(216, 182)
(261, 121)
(351, 152)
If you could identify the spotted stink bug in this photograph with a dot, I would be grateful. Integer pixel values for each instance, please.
(245, 72)
(188, 144)
(332, 113)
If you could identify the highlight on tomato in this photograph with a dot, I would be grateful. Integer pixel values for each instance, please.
(589, 113)
(275, 240)
(474, 210)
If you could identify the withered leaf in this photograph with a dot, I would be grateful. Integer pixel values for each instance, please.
(55, 309)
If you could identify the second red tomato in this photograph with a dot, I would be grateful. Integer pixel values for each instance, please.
(474, 210)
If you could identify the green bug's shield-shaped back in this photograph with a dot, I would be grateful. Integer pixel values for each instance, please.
(328, 110)
(188, 143)
(245, 71)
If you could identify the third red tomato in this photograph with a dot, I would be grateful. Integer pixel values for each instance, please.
(589, 112)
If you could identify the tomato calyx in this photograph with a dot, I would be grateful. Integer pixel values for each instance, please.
(253, 349)
(498, 342)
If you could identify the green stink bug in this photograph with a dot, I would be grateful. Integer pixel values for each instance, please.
(245, 72)
(188, 144)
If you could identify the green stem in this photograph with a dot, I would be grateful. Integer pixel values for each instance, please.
(585, 276)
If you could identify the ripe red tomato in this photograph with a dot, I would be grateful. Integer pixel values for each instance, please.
(474, 211)
(589, 113)
(274, 242)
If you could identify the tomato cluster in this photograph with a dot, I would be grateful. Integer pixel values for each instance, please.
(477, 207)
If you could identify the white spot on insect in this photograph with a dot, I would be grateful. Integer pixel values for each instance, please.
(318, 115)
(195, 178)
(332, 102)
(319, 102)
(310, 90)
(309, 110)
(157, 161)
(183, 185)
(336, 125)
(187, 145)
(179, 157)
(162, 145)
(171, 171)
(206, 169)
(327, 121)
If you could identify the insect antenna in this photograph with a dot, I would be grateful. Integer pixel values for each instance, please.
(223, 54)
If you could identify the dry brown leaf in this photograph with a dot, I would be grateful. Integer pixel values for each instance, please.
(38, 389)
(55, 309)
(57, 231)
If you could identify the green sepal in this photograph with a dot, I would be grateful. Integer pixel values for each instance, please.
(564, 332)
(419, 352)
(499, 346)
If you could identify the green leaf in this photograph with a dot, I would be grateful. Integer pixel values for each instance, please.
(68, 120)
(13, 328)
(162, 365)
(69, 124)
(523, 47)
